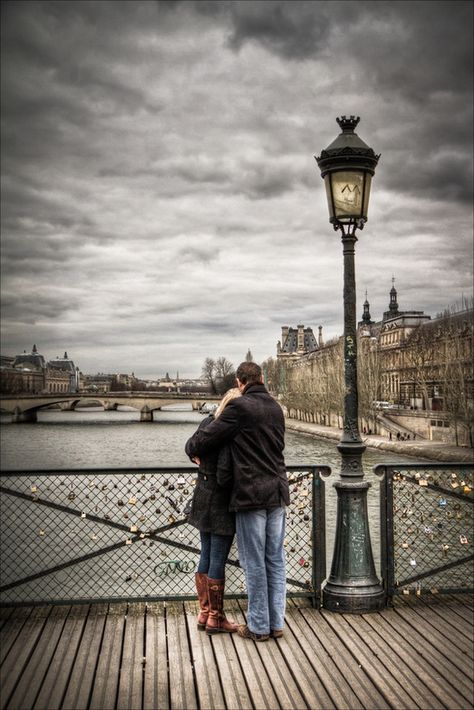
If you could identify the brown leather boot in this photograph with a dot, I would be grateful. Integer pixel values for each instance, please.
(203, 598)
(216, 621)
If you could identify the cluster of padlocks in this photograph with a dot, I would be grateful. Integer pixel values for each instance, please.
(432, 527)
(299, 525)
(113, 534)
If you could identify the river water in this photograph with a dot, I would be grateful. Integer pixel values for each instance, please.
(92, 438)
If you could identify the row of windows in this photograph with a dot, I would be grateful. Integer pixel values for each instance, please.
(58, 387)
(390, 338)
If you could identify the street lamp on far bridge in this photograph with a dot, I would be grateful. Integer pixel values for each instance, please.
(347, 166)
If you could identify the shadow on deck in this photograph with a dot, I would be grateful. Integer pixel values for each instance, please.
(418, 654)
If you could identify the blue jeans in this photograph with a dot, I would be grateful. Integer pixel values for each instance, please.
(214, 553)
(260, 536)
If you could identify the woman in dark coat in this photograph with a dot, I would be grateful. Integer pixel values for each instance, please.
(210, 515)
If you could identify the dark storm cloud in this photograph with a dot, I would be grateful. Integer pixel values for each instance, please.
(28, 199)
(295, 30)
(385, 37)
(438, 176)
(38, 306)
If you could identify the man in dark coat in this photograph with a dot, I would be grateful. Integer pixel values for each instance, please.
(254, 427)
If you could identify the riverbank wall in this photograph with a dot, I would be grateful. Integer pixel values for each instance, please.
(432, 450)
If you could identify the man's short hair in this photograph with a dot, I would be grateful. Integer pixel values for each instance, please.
(249, 373)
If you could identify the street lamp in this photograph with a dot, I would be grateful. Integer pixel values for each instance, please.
(347, 167)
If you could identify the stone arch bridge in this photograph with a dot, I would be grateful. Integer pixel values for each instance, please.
(25, 407)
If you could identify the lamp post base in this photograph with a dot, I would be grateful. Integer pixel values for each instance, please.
(352, 586)
(353, 600)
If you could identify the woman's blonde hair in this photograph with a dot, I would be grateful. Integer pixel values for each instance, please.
(229, 395)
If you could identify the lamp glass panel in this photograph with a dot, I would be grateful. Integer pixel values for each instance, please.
(348, 194)
(368, 180)
(327, 183)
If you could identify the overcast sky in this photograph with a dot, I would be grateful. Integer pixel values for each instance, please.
(160, 198)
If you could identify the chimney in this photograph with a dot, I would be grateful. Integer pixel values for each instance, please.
(284, 335)
(300, 346)
(320, 336)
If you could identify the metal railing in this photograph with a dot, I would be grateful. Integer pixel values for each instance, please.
(79, 536)
(427, 527)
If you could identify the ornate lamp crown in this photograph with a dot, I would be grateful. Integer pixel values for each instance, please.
(348, 151)
(348, 124)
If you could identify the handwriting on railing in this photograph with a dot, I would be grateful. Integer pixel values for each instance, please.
(172, 567)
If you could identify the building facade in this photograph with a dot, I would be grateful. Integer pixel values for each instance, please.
(63, 365)
(32, 373)
(420, 367)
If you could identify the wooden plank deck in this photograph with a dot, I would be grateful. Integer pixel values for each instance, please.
(419, 654)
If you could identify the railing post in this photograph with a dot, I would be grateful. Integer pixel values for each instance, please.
(386, 520)
(318, 535)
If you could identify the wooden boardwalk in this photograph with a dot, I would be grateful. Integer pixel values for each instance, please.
(420, 654)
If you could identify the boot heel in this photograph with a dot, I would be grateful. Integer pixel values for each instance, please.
(201, 627)
(211, 631)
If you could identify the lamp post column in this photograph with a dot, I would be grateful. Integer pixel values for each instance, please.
(352, 585)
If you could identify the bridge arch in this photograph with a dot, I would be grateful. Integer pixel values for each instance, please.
(24, 408)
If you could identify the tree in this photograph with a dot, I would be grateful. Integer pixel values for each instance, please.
(274, 374)
(224, 374)
(313, 385)
(457, 377)
(219, 373)
(329, 380)
(208, 372)
(419, 365)
(369, 377)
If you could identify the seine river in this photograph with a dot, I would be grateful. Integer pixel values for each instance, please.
(91, 438)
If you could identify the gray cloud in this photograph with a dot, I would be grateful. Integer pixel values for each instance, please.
(160, 198)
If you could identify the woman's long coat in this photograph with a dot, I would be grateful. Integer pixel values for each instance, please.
(210, 505)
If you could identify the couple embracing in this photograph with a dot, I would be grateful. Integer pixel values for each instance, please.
(242, 486)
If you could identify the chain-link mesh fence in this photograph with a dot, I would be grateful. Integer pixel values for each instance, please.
(72, 536)
(427, 513)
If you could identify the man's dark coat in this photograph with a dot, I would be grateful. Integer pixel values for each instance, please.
(254, 427)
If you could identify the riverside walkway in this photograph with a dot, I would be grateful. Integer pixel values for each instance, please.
(420, 448)
(418, 654)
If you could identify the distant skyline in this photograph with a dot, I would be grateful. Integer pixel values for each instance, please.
(160, 198)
